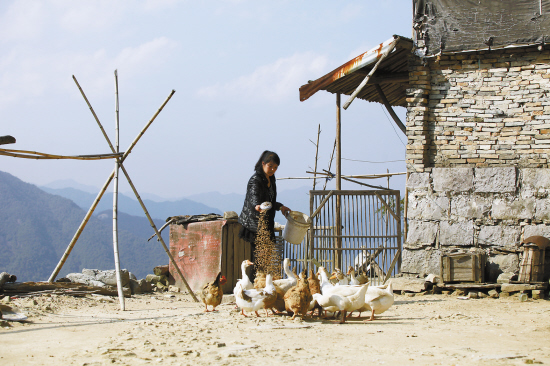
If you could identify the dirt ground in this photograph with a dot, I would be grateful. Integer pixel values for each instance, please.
(159, 329)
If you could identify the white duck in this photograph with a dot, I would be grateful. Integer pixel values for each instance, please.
(286, 284)
(323, 277)
(349, 303)
(377, 300)
(245, 282)
(352, 279)
(254, 300)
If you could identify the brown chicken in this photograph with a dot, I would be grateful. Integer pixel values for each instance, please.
(314, 288)
(212, 293)
(298, 298)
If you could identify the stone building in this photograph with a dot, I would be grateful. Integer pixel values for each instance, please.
(478, 128)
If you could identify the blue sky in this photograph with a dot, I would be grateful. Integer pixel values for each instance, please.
(236, 67)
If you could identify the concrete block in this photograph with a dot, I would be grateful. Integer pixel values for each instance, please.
(421, 233)
(495, 180)
(453, 179)
(535, 178)
(513, 209)
(499, 264)
(532, 230)
(542, 209)
(421, 261)
(469, 207)
(459, 233)
(418, 181)
(499, 235)
(429, 208)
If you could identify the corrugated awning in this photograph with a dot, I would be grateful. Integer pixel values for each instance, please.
(392, 75)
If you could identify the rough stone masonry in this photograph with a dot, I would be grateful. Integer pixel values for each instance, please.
(478, 128)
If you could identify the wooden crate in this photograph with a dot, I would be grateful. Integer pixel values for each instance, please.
(532, 265)
(463, 267)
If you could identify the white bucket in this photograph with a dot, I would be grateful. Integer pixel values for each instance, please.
(296, 227)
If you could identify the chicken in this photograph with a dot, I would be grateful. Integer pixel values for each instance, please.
(212, 293)
(314, 288)
(298, 298)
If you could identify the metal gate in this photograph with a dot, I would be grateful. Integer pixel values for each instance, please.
(361, 229)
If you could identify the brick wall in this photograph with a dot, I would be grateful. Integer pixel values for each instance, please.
(478, 128)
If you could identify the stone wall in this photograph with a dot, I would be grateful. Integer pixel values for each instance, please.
(478, 128)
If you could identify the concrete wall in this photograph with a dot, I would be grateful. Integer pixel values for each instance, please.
(478, 129)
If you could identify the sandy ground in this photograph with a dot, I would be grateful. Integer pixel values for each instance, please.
(157, 329)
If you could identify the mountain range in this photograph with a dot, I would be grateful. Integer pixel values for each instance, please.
(36, 228)
(38, 223)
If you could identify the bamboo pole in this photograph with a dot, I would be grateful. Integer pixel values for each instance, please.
(151, 222)
(316, 156)
(338, 218)
(115, 202)
(330, 163)
(38, 155)
(372, 176)
(100, 194)
(366, 80)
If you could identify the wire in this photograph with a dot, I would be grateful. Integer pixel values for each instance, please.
(392, 126)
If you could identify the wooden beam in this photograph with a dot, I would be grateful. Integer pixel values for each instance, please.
(366, 80)
(7, 140)
(390, 109)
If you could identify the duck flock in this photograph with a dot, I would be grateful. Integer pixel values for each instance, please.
(304, 296)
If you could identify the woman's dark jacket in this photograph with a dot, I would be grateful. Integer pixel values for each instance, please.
(258, 192)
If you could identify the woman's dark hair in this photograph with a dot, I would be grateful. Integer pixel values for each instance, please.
(267, 157)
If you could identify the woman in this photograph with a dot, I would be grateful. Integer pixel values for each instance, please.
(261, 188)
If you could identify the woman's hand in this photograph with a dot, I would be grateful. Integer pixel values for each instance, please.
(258, 208)
(285, 210)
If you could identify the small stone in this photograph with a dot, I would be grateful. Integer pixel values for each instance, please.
(410, 294)
(504, 294)
(493, 294)
(482, 295)
(221, 345)
(459, 292)
(473, 295)
(446, 292)
(537, 294)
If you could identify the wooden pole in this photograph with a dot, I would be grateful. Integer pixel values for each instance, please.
(100, 194)
(338, 218)
(115, 203)
(151, 222)
(390, 109)
(366, 80)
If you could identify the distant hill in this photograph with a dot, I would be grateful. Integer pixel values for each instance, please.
(130, 205)
(36, 228)
(202, 203)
